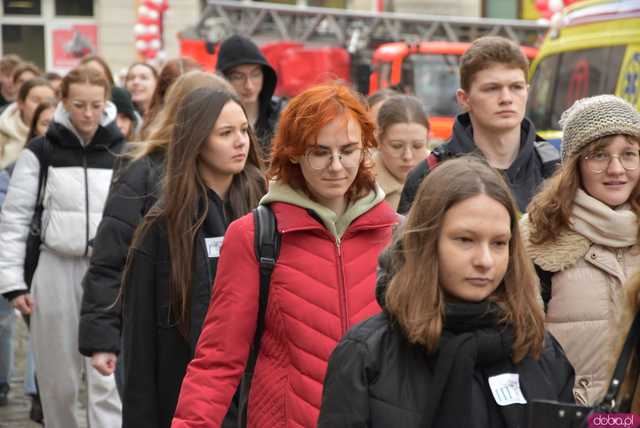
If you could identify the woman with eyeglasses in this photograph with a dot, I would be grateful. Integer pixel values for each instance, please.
(582, 234)
(332, 224)
(403, 129)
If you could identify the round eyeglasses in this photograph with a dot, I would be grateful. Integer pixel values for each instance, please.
(320, 158)
(599, 161)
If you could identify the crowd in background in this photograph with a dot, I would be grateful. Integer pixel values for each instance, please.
(405, 287)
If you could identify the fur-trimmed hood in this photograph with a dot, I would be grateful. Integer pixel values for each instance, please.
(558, 255)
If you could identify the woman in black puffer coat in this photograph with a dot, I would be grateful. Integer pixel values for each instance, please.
(461, 342)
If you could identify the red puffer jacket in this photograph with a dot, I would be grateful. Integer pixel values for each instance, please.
(319, 289)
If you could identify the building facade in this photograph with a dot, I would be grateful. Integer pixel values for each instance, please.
(54, 34)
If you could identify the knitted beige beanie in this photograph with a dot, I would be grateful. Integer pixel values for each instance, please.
(590, 119)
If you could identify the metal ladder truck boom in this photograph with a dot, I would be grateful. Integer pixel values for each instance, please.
(354, 30)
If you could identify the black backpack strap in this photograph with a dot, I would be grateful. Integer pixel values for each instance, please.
(44, 173)
(267, 247)
(630, 348)
(549, 156)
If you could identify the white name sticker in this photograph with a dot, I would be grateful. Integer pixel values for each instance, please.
(506, 389)
(213, 246)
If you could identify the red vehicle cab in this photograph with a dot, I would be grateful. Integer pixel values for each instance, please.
(430, 71)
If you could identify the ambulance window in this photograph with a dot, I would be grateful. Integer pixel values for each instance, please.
(541, 92)
(584, 74)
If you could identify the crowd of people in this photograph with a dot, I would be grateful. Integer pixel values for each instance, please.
(403, 286)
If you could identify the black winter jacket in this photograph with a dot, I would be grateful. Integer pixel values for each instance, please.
(239, 50)
(156, 354)
(376, 378)
(536, 161)
(133, 192)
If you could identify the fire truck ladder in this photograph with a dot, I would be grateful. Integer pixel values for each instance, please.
(351, 29)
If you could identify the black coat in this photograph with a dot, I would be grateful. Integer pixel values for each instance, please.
(376, 378)
(156, 354)
(536, 161)
(133, 192)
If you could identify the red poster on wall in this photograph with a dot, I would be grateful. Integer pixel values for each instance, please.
(71, 43)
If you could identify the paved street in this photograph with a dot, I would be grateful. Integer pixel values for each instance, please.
(16, 414)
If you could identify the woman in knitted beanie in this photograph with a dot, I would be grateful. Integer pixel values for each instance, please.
(582, 234)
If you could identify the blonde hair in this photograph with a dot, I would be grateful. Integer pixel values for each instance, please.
(161, 129)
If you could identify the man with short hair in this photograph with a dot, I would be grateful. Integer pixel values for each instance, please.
(8, 92)
(246, 68)
(493, 95)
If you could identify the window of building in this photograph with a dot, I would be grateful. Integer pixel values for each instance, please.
(22, 7)
(74, 8)
(26, 41)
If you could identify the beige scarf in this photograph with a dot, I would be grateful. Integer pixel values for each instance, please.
(602, 225)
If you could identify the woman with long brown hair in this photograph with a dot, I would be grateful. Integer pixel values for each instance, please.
(134, 190)
(333, 223)
(461, 341)
(582, 234)
(213, 176)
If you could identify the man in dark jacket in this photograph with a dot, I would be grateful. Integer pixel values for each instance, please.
(493, 93)
(242, 63)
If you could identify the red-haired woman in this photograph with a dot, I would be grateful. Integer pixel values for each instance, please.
(333, 223)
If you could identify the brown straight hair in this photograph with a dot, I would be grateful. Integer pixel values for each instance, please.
(184, 189)
(415, 299)
(103, 64)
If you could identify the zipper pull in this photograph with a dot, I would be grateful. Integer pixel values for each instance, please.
(338, 245)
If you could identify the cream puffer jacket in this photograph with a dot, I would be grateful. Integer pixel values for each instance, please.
(13, 135)
(587, 295)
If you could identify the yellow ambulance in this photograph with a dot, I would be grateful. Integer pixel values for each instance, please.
(592, 48)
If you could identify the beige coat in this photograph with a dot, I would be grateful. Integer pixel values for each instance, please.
(391, 186)
(13, 135)
(586, 301)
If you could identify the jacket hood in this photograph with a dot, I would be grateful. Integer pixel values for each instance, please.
(238, 50)
(11, 124)
(61, 117)
(337, 225)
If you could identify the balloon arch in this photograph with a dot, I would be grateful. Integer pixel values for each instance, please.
(149, 29)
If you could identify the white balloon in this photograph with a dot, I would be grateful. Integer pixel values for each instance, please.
(141, 45)
(139, 29)
(158, 2)
(143, 10)
(556, 20)
(153, 14)
(153, 29)
(155, 44)
(556, 5)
